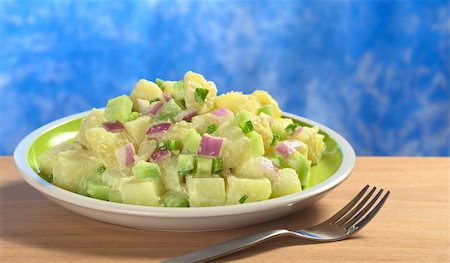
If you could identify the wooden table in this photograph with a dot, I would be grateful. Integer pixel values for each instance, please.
(413, 226)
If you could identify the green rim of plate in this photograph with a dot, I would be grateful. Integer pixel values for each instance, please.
(67, 131)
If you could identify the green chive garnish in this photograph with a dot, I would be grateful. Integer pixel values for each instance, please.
(160, 83)
(277, 160)
(134, 115)
(275, 140)
(217, 165)
(184, 172)
(200, 95)
(243, 199)
(161, 146)
(173, 145)
(211, 128)
(247, 126)
(101, 169)
(154, 100)
(291, 128)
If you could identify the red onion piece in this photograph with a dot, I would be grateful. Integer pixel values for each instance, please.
(165, 97)
(113, 126)
(210, 146)
(285, 149)
(158, 130)
(220, 112)
(125, 155)
(160, 155)
(156, 108)
(143, 106)
(185, 115)
(268, 168)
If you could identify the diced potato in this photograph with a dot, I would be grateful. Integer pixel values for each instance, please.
(236, 148)
(169, 175)
(192, 81)
(262, 126)
(311, 137)
(206, 191)
(72, 166)
(145, 90)
(264, 98)
(114, 178)
(286, 183)
(95, 119)
(236, 101)
(137, 128)
(244, 190)
(104, 144)
(145, 149)
(142, 193)
(48, 159)
(279, 125)
(177, 131)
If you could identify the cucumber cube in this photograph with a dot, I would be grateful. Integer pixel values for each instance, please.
(241, 117)
(206, 191)
(301, 165)
(169, 175)
(175, 199)
(170, 109)
(240, 190)
(204, 166)
(178, 90)
(142, 193)
(143, 170)
(99, 191)
(286, 183)
(186, 163)
(191, 141)
(267, 109)
(114, 196)
(257, 143)
(118, 109)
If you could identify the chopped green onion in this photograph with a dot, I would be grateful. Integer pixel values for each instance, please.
(291, 128)
(247, 126)
(154, 100)
(275, 140)
(243, 199)
(211, 128)
(217, 165)
(134, 115)
(173, 145)
(184, 172)
(200, 95)
(161, 146)
(160, 83)
(101, 169)
(277, 160)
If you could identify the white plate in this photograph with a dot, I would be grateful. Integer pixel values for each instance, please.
(183, 219)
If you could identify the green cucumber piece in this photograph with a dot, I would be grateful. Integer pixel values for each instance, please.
(175, 199)
(204, 166)
(301, 165)
(186, 164)
(143, 170)
(267, 109)
(257, 143)
(118, 109)
(115, 196)
(170, 109)
(99, 191)
(191, 141)
(178, 90)
(241, 116)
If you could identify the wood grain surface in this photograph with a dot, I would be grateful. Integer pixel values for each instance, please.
(413, 226)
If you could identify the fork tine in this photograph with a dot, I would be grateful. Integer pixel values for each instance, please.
(372, 213)
(349, 206)
(357, 208)
(363, 211)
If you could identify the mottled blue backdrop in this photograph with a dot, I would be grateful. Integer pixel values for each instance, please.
(375, 71)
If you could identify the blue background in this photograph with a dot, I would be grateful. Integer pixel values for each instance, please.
(375, 71)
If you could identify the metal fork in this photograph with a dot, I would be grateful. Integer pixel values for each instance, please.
(349, 220)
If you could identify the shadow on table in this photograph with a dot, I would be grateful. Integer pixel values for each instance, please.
(29, 219)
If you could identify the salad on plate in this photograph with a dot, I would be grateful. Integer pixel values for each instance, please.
(178, 144)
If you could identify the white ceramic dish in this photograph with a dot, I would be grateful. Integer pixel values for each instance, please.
(181, 219)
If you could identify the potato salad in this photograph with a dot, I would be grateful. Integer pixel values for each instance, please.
(179, 144)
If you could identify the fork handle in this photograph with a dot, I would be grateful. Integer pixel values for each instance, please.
(228, 247)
